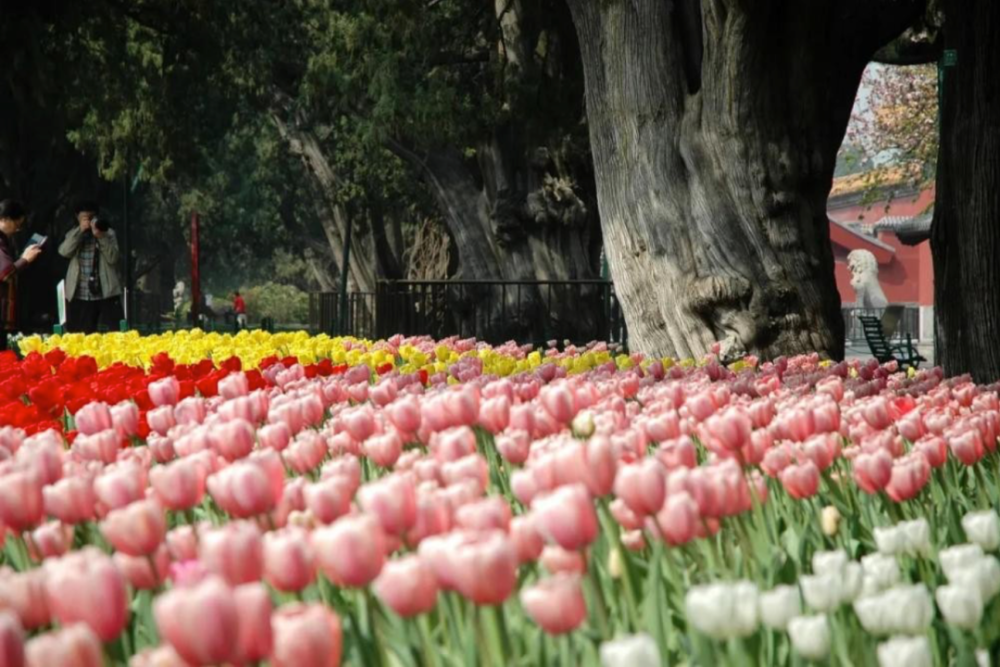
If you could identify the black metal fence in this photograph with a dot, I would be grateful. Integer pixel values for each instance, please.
(494, 311)
(908, 324)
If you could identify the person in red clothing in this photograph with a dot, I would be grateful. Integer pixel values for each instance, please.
(240, 308)
(12, 216)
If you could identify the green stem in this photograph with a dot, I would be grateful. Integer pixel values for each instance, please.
(426, 643)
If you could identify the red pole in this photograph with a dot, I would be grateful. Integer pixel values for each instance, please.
(195, 270)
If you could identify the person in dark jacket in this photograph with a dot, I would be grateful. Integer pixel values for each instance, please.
(12, 217)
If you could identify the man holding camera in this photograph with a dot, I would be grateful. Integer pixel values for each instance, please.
(93, 288)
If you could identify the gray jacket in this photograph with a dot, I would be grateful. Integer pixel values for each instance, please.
(107, 265)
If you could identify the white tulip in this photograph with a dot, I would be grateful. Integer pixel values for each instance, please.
(904, 610)
(829, 562)
(583, 424)
(880, 570)
(959, 557)
(982, 576)
(982, 658)
(908, 538)
(983, 528)
(630, 651)
(890, 541)
(908, 651)
(779, 605)
(810, 636)
(827, 591)
(723, 610)
(961, 606)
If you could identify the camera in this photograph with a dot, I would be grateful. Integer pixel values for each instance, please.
(100, 224)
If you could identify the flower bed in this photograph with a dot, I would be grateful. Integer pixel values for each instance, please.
(318, 501)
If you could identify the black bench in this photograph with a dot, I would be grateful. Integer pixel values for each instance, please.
(886, 350)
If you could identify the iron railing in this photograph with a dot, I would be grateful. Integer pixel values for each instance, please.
(325, 308)
(909, 323)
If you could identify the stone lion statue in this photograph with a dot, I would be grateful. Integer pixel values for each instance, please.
(864, 280)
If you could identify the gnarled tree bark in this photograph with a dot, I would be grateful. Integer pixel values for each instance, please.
(965, 235)
(714, 152)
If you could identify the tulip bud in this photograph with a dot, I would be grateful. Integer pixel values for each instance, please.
(810, 636)
(830, 520)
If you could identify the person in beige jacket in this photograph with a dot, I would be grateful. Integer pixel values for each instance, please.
(93, 288)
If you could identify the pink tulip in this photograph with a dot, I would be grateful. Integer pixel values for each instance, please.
(192, 410)
(253, 611)
(625, 517)
(453, 444)
(200, 622)
(797, 424)
(162, 448)
(679, 453)
(567, 517)
(393, 501)
(641, 486)
(558, 560)
(244, 408)
(434, 517)
(161, 656)
(179, 485)
(556, 603)
(73, 646)
(11, 640)
(909, 476)
(601, 466)
(557, 399)
(471, 468)
(461, 404)
(527, 540)
(491, 513)
(145, 573)
(93, 418)
(524, 486)
(21, 501)
(233, 439)
(188, 573)
(50, 540)
(74, 585)
(663, 427)
(494, 414)
(351, 551)
(383, 393)
(967, 446)
(103, 446)
(876, 413)
(359, 422)
(24, 593)
(137, 529)
(873, 471)
(485, 567)
(306, 636)
(182, 543)
(384, 449)
(801, 480)
(306, 452)
(934, 449)
(243, 490)
(404, 414)
(161, 419)
(125, 417)
(42, 454)
(728, 430)
(164, 392)
(289, 563)
(514, 446)
(679, 519)
(407, 586)
(274, 436)
(235, 552)
(234, 385)
(522, 418)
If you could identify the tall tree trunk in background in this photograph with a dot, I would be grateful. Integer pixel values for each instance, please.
(965, 237)
(519, 209)
(714, 128)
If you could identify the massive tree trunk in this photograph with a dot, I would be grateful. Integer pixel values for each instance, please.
(714, 127)
(965, 237)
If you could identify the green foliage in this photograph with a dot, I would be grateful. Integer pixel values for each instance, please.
(286, 304)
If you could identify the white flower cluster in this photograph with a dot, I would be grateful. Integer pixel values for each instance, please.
(973, 580)
(900, 610)
(836, 580)
(983, 528)
(907, 538)
(723, 610)
(630, 651)
(881, 573)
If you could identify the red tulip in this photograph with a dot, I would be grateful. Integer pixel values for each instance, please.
(567, 517)
(137, 529)
(179, 485)
(11, 640)
(909, 475)
(351, 551)
(201, 622)
(24, 594)
(556, 603)
(93, 418)
(21, 502)
(873, 471)
(407, 586)
(77, 582)
(289, 563)
(234, 551)
(253, 611)
(75, 646)
(306, 636)
(801, 480)
(642, 486)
